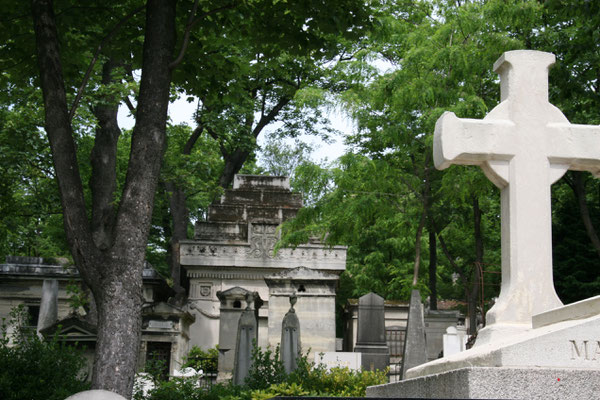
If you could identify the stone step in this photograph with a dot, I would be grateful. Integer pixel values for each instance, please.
(263, 198)
(240, 213)
(219, 231)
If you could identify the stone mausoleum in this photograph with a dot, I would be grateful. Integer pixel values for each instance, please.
(233, 252)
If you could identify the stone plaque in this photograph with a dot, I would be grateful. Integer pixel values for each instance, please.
(155, 324)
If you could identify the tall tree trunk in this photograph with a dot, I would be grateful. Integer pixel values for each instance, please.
(233, 163)
(474, 293)
(579, 189)
(113, 270)
(432, 269)
(103, 182)
(179, 219)
(418, 249)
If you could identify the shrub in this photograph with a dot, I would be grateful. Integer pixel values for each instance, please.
(207, 361)
(266, 369)
(35, 369)
(267, 379)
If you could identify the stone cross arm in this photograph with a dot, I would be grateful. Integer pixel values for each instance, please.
(491, 143)
(575, 145)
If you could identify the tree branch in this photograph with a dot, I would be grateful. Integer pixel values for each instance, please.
(95, 58)
(190, 25)
(60, 136)
(267, 119)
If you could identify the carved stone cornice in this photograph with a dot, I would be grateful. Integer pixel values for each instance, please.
(259, 254)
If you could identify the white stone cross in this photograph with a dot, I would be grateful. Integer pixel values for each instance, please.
(523, 145)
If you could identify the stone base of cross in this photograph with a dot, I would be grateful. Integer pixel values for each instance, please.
(523, 145)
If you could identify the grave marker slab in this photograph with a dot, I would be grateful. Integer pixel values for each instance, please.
(371, 333)
(48, 304)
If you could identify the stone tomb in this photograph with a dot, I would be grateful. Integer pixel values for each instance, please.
(533, 347)
(234, 247)
(315, 307)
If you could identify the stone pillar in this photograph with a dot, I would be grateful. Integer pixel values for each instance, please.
(290, 338)
(48, 304)
(415, 346)
(247, 337)
(233, 303)
(371, 333)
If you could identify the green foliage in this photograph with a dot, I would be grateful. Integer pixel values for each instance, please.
(199, 359)
(35, 369)
(266, 369)
(268, 379)
(575, 261)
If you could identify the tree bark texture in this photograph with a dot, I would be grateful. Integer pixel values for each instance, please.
(104, 166)
(418, 249)
(478, 272)
(432, 270)
(110, 257)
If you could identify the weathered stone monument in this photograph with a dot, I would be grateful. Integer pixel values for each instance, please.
(371, 341)
(233, 304)
(533, 347)
(234, 246)
(247, 338)
(455, 340)
(290, 338)
(415, 345)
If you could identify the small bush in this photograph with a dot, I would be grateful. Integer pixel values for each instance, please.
(35, 369)
(266, 369)
(267, 379)
(207, 361)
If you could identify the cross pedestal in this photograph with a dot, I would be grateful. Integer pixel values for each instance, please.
(523, 145)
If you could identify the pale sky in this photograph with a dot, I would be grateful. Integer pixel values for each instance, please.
(181, 111)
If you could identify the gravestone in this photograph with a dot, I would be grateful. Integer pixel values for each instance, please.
(454, 341)
(48, 304)
(371, 333)
(290, 338)
(523, 146)
(233, 303)
(415, 345)
(533, 347)
(96, 395)
(247, 337)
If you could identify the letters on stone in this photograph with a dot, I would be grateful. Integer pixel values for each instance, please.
(585, 350)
